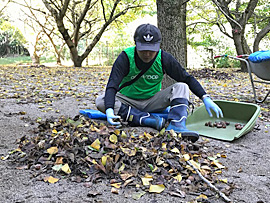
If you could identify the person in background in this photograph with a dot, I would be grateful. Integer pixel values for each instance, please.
(134, 91)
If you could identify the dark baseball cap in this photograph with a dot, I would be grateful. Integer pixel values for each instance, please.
(147, 38)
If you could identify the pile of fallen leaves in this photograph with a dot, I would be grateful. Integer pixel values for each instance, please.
(85, 151)
(211, 74)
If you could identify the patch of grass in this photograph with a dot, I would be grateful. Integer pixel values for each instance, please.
(15, 60)
(23, 60)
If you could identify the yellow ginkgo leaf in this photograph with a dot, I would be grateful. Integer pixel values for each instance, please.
(155, 169)
(156, 188)
(50, 179)
(202, 196)
(225, 180)
(138, 195)
(159, 161)
(186, 157)
(148, 136)
(164, 146)
(114, 190)
(96, 144)
(195, 164)
(116, 185)
(80, 126)
(122, 168)
(217, 164)
(146, 181)
(113, 138)
(178, 177)
(104, 160)
(54, 131)
(93, 161)
(123, 134)
(175, 150)
(129, 152)
(205, 167)
(148, 176)
(52, 150)
(66, 169)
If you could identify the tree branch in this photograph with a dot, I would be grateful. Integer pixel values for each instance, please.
(64, 9)
(79, 21)
(103, 10)
(1, 10)
(223, 30)
(105, 25)
(60, 24)
(259, 37)
(209, 184)
(226, 13)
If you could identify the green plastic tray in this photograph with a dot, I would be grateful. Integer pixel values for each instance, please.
(233, 112)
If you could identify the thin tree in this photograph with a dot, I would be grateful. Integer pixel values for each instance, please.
(79, 13)
(238, 19)
(47, 28)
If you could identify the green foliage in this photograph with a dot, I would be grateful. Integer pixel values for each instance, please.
(23, 60)
(206, 41)
(225, 62)
(203, 17)
(11, 39)
(12, 32)
(261, 20)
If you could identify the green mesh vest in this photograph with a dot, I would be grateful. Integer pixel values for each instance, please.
(148, 84)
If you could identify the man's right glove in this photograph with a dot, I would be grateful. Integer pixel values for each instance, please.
(209, 104)
(110, 116)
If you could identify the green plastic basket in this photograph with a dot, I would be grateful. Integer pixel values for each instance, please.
(233, 112)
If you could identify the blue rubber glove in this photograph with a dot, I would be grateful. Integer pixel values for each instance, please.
(110, 116)
(209, 104)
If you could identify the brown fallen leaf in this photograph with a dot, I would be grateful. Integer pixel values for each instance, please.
(128, 182)
(125, 176)
(50, 179)
(114, 191)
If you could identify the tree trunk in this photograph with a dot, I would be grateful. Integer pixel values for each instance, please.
(77, 60)
(238, 21)
(172, 24)
(35, 59)
(259, 37)
(239, 46)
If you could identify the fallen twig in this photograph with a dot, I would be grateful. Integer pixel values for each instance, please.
(221, 194)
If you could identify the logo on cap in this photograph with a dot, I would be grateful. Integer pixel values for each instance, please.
(148, 38)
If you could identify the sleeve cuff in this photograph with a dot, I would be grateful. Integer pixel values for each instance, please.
(204, 96)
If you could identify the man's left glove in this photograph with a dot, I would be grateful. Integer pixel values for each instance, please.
(209, 104)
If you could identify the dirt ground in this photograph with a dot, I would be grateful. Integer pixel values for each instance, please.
(247, 159)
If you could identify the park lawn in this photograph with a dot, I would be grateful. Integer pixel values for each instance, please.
(22, 60)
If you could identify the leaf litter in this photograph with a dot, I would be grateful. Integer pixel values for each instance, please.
(117, 156)
(84, 150)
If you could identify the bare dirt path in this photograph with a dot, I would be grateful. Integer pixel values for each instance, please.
(247, 159)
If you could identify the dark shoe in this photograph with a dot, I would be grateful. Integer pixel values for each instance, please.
(185, 133)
